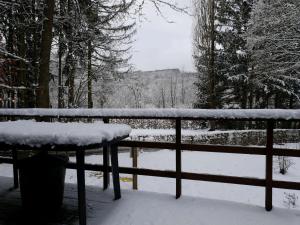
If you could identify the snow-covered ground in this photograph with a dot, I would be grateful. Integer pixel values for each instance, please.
(213, 163)
(144, 208)
(148, 208)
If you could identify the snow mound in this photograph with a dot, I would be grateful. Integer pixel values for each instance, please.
(35, 134)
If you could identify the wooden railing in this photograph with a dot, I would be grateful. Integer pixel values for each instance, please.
(268, 151)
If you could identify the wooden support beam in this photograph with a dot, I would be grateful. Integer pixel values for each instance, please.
(269, 166)
(147, 144)
(178, 158)
(15, 168)
(106, 175)
(81, 187)
(134, 155)
(115, 170)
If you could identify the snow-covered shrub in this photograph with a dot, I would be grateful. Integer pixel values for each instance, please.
(284, 163)
(290, 200)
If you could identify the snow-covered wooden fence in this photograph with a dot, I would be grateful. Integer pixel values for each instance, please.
(269, 116)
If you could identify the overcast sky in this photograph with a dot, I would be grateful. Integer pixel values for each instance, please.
(163, 45)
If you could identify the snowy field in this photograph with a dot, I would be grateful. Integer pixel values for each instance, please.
(213, 163)
(202, 162)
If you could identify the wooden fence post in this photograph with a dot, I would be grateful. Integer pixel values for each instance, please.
(105, 162)
(134, 155)
(269, 165)
(178, 157)
(15, 168)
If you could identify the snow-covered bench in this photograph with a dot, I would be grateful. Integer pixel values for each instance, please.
(29, 134)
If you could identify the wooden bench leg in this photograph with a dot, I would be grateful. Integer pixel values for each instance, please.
(15, 169)
(115, 171)
(81, 187)
(105, 165)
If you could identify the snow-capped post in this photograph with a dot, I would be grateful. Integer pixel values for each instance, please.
(269, 165)
(105, 162)
(178, 158)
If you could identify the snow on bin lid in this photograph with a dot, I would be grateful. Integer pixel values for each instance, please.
(276, 114)
(35, 134)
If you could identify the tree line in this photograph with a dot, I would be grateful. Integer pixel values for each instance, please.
(246, 53)
(61, 49)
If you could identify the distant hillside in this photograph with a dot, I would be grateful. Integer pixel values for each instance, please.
(165, 74)
(158, 88)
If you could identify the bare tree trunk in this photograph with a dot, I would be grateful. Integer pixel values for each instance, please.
(182, 90)
(60, 97)
(173, 88)
(163, 97)
(71, 86)
(43, 100)
(60, 75)
(22, 68)
(70, 65)
(10, 48)
(211, 68)
(90, 78)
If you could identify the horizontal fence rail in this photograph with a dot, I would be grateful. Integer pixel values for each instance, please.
(270, 117)
(183, 114)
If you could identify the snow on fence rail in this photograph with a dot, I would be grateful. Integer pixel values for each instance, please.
(205, 114)
(268, 115)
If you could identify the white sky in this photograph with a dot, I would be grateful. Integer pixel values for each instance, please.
(163, 45)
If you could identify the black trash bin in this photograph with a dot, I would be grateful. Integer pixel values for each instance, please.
(42, 179)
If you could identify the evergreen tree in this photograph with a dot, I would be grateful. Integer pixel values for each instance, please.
(205, 54)
(232, 18)
(273, 41)
(220, 53)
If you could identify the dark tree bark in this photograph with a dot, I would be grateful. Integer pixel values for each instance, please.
(43, 100)
(90, 78)
(60, 97)
(211, 69)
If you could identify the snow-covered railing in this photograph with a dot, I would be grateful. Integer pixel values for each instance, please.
(192, 114)
(270, 116)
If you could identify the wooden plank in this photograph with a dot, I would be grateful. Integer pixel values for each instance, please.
(184, 175)
(286, 185)
(127, 170)
(211, 148)
(224, 149)
(269, 166)
(224, 179)
(178, 158)
(147, 144)
(106, 175)
(286, 152)
(148, 172)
